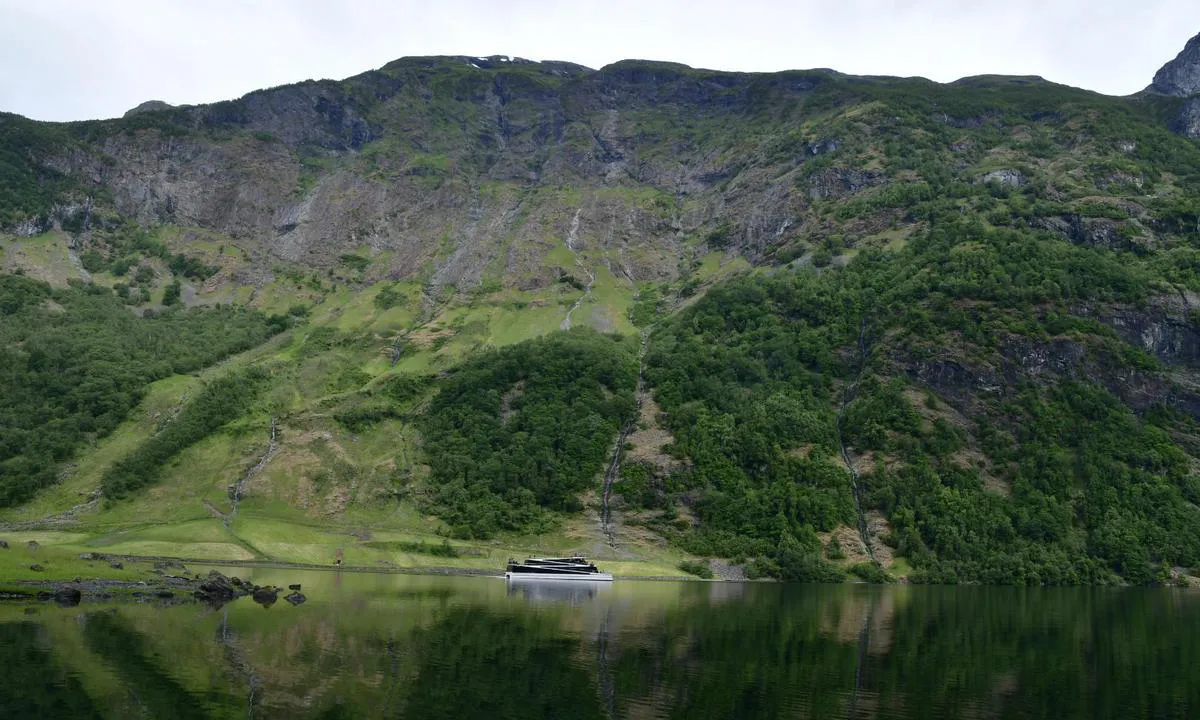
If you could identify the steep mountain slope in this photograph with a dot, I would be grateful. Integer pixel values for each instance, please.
(962, 343)
(1181, 78)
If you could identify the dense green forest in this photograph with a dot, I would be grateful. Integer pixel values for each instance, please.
(74, 361)
(765, 377)
(524, 429)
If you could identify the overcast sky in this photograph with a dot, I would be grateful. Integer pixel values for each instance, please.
(76, 59)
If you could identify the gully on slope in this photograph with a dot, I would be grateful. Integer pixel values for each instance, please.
(572, 239)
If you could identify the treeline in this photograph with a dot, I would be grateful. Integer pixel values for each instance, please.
(75, 361)
(522, 430)
(753, 378)
(222, 400)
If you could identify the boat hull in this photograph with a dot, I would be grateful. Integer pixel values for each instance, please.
(589, 577)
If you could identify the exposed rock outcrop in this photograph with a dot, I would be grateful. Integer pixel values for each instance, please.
(1181, 76)
(1163, 330)
(967, 385)
(1011, 178)
(840, 182)
(823, 146)
(1188, 122)
(1091, 232)
(288, 174)
(30, 227)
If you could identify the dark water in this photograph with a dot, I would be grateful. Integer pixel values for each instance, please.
(428, 647)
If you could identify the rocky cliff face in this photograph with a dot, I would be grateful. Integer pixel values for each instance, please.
(1188, 122)
(1181, 76)
(457, 167)
(461, 170)
(1166, 329)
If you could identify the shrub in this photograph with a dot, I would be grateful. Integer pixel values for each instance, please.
(871, 572)
(171, 293)
(697, 568)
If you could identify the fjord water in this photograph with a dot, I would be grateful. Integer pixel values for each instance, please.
(458, 647)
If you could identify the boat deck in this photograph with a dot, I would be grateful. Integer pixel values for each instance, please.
(568, 568)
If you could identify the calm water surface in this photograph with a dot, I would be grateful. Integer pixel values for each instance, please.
(369, 646)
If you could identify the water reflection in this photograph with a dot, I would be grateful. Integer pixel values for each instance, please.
(568, 592)
(424, 647)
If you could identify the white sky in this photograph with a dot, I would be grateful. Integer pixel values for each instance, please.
(76, 59)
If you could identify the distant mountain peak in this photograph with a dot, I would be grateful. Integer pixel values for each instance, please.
(148, 106)
(1181, 76)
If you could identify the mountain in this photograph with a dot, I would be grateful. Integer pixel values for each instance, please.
(1181, 78)
(794, 324)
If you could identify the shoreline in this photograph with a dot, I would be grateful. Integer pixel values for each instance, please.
(401, 570)
(179, 588)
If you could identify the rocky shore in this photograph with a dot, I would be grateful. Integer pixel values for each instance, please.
(215, 589)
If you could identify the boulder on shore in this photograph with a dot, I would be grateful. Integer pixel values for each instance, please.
(265, 596)
(68, 596)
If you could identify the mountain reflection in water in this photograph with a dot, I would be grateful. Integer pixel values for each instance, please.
(448, 647)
